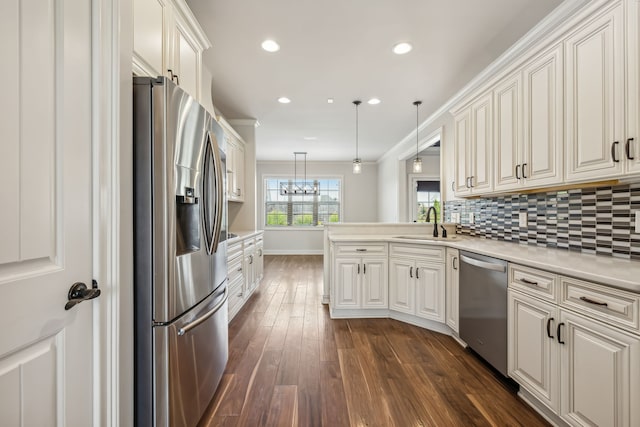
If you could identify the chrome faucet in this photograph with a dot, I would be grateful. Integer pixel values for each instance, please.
(435, 220)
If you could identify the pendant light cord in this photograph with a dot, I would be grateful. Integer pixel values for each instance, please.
(417, 104)
(357, 103)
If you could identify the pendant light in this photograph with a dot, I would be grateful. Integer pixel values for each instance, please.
(296, 187)
(357, 163)
(417, 162)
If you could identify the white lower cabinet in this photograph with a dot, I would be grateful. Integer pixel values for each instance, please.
(416, 286)
(360, 283)
(244, 269)
(600, 373)
(452, 284)
(583, 369)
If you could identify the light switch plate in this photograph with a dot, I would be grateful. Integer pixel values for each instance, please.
(455, 217)
(472, 218)
(522, 219)
(637, 222)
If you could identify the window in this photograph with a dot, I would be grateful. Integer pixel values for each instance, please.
(427, 195)
(301, 210)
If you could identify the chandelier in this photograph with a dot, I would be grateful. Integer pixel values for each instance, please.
(295, 186)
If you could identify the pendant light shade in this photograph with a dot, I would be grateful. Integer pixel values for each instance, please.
(357, 163)
(417, 162)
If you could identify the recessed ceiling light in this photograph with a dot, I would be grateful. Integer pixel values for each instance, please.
(402, 48)
(270, 46)
(310, 138)
(329, 100)
(373, 101)
(284, 100)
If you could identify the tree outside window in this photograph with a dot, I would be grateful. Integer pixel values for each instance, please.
(302, 210)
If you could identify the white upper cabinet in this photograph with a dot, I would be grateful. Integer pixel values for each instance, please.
(528, 124)
(632, 141)
(473, 147)
(595, 74)
(168, 41)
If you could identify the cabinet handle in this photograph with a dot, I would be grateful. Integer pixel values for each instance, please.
(454, 262)
(524, 170)
(627, 149)
(453, 186)
(613, 152)
(594, 302)
(358, 268)
(549, 320)
(417, 276)
(240, 269)
(411, 272)
(471, 181)
(466, 183)
(364, 268)
(558, 332)
(528, 282)
(517, 171)
(361, 250)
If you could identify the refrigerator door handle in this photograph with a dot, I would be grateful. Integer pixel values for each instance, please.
(194, 323)
(206, 180)
(219, 191)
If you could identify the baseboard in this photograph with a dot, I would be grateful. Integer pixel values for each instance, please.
(541, 409)
(432, 325)
(458, 340)
(294, 252)
(326, 299)
(359, 313)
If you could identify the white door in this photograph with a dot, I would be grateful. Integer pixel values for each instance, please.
(533, 352)
(481, 155)
(401, 286)
(600, 374)
(374, 283)
(461, 147)
(508, 133)
(347, 274)
(595, 98)
(45, 220)
(452, 281)
(430, 291)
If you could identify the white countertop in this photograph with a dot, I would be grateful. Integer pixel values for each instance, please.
(610, 271)
(243, 234)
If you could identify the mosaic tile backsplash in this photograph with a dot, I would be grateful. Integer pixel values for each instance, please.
(593, 220)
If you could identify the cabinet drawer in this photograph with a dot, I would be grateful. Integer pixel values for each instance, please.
(613, 306)
(365, 249)
(234, 250)
(532, 281)
(234, 268)
(423, 252)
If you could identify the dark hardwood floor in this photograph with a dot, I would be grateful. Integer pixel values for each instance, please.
(290, 364)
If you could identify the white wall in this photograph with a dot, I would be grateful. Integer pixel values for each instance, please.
(242, 216)
(392, 168)
(359, 203)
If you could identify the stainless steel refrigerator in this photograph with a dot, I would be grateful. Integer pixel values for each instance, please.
(180, 233)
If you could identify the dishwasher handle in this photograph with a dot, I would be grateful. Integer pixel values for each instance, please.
(483, 264)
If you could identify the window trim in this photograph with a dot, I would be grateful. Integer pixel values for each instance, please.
(263, 202)
(413, 177)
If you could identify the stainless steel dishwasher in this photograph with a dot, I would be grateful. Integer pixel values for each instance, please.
(483, 307)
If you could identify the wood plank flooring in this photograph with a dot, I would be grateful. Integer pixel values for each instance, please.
(290, 364)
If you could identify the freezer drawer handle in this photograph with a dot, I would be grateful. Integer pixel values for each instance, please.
(189, 326)
(483, 264)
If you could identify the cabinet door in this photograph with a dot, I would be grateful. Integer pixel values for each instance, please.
(374, 283)
(633, 87)
(508, 133)
(543, 120)
(239, 171)
(186, 61)
(401, 285)
(346, 283)
(259, 263)
(149, 20)
(462, 138)
(452, 288)
(481, 145)
(595, 98)
(430, 293)
(533, 357)
(600, 374)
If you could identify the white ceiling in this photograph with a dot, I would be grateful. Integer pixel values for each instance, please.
(341, 49)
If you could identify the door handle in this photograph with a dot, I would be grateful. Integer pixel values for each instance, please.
(364, 268)
(549, 320)
(558, 332)
(189, 326)
(524, 170)
(613, 152)
(627, 149)
(358, 268)
(453, 263)
(517, 171)
(411, 272)
(417, 276)
(79, 292)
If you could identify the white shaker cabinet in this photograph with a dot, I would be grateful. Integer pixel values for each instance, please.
(360, 277)
(234, 149)
(452, 285)
(473, 136)
(595, 76)
(632, 142)
(168, 41)
(528, 147)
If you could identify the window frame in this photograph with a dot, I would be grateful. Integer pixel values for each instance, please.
(412, 181)
(312, 177)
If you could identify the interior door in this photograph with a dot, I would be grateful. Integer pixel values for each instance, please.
(45, 168)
